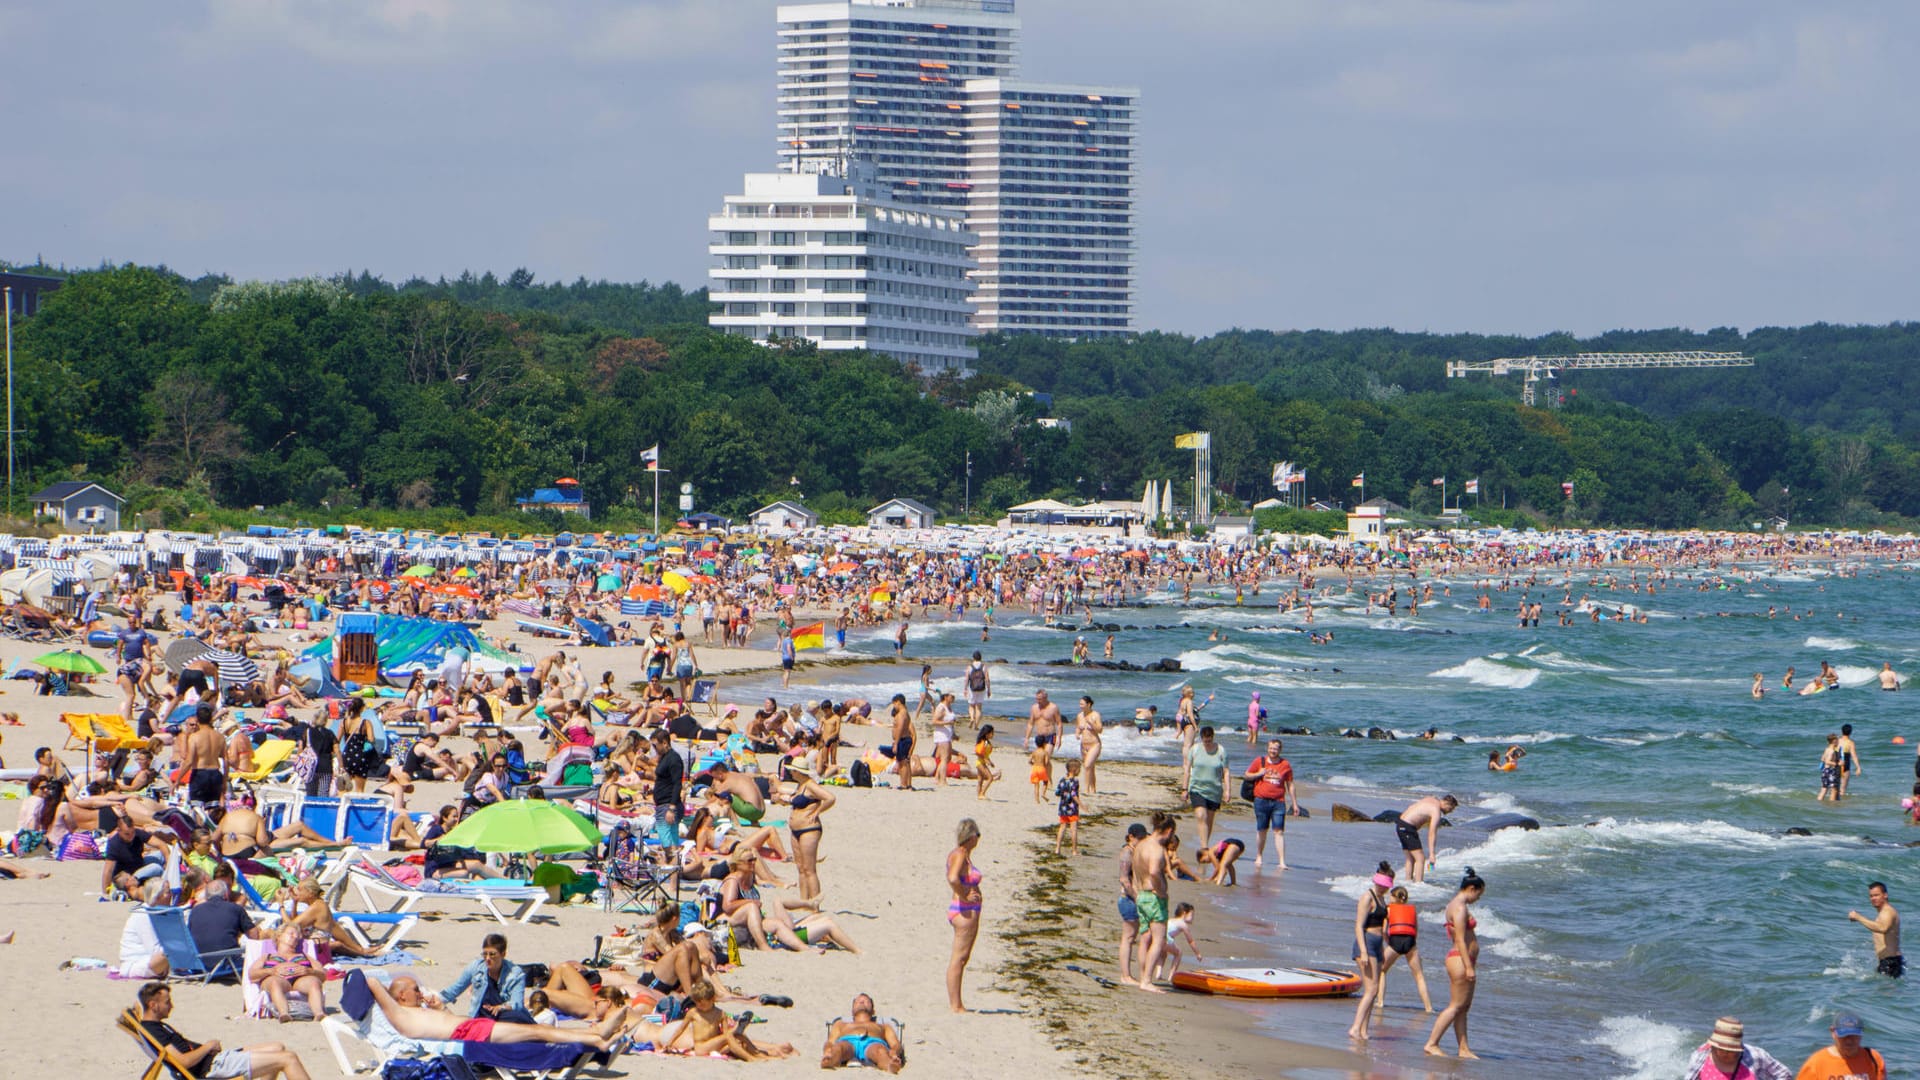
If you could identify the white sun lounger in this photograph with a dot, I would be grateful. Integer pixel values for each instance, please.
(507, 902)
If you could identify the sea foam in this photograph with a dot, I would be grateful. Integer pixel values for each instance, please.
(1483, 671)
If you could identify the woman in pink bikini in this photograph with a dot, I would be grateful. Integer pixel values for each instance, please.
(963, 914)
(1463, 961)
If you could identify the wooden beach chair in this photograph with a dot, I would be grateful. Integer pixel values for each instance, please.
(163, 1059)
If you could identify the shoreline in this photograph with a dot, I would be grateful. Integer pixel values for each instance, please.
(1121, 1031)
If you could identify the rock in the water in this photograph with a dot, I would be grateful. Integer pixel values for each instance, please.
(1380, 733)
(1496, 822)
(1387, 815)
(1343, 812)
(1799, 831)
(1351, 733)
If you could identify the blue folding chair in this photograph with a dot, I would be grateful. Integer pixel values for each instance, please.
(184, 958)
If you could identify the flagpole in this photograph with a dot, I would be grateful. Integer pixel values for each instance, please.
(656, 500)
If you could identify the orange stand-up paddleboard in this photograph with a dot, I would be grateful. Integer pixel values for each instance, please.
(1269, 982)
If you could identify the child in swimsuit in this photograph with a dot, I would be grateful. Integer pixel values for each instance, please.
(983, 760)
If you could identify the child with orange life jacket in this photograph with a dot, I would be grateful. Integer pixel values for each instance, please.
(1403, 930)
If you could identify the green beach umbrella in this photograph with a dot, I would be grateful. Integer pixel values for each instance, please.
(523, 825)
(73, 663)
(421, 570)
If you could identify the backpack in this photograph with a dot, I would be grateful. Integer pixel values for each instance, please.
(859, 774)
(977, 677)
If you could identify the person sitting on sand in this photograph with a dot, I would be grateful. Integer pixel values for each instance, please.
(714, 1032)
(208, 1060)
(286, 969)
(415, 1015)
(862, 1037)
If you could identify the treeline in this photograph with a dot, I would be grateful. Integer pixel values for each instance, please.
(1844, 378)
(325, 398)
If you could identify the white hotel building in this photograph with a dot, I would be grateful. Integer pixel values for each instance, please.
(925, 93)
(832, 260)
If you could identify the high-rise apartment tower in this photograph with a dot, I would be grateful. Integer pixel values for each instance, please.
(926, 93)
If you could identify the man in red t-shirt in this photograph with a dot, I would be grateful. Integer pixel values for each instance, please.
(1273, 800)
(1846, 1059)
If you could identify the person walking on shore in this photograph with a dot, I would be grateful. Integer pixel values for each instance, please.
(1845, 1059)
(1087, 726)
(1129, 910)
(979, 688)
(963, 912)
(1273, 800)
(1369, 945)
(1150, 896)
(1206, 783)
(1043, 728)
(1403, 939)
(1463, 961)
(1726, 1055)
(1885, 927)
(1424, 813)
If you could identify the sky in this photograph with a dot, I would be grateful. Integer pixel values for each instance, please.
(1443, 165)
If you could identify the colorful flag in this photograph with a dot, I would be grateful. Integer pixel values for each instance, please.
(650, 457)
(810, 636)
(1193, 440)
(1359, 481)
(1567, 489)
(1282, 474)
(1298, 476)
(1473, 486)
(1439, 481)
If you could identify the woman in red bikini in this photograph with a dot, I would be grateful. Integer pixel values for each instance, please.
(1463, 961)
(963, 914)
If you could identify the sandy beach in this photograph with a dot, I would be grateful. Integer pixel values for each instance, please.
(883, 854)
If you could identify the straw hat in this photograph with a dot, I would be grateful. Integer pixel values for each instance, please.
(1728, 1034)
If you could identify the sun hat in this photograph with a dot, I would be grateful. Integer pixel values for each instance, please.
(693, 928)
(1728, 1034)
(1847, 1024)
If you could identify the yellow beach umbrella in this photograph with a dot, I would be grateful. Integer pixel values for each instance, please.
(676, 581)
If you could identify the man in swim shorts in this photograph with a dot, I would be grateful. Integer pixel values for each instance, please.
(1150, 896)
(1885, 927)
(422, 1016)
(1043, 726)
(1425, 813)
(749, 803)
(1129, 908)
(862, 1038)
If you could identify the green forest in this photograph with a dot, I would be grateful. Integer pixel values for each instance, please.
(349, 398)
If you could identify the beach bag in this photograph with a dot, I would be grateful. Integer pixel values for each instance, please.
(434, 1068)
(1246, 789)
(577, 774)
(977, 678)
(25, 842)
(78, 845)
(860, 774)
(305, 763)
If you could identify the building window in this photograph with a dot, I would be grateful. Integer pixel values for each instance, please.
(783, 309)
(839, 239)
(784, 284)
(740, 309)
(839, 311)
(839, 262)
(740, 238)
(742, 262)
(780, 239)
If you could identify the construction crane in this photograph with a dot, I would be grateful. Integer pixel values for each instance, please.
(1534, 368)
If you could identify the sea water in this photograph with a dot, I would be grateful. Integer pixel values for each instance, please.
(1662, 890)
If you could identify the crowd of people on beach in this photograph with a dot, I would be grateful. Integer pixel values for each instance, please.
(682, 784)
